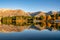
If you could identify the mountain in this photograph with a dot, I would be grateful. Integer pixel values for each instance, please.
(34, 13)
(51, 12)
(40, 13)
(11, 12)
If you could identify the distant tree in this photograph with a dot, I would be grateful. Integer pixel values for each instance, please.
(57, 16)
(52, 16)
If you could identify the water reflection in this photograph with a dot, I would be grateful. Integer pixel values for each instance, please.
(15, 26)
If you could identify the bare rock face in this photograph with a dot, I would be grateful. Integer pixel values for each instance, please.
(9, 12)
(40, 14)
(19, 12)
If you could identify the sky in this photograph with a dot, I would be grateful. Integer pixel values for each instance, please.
(31, 5)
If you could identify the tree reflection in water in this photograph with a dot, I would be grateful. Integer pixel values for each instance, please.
(17, 24)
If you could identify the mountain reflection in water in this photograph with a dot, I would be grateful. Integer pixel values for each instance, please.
(18, 27)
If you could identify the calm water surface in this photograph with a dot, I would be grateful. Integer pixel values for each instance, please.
(38, 31)
(31, 34)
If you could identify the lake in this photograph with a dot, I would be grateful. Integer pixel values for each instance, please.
(33, 31)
